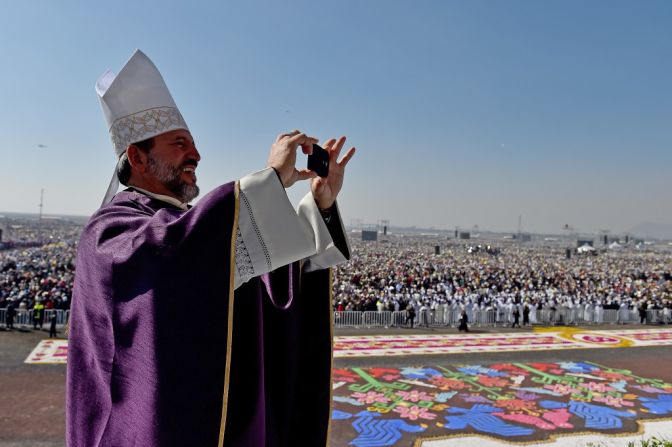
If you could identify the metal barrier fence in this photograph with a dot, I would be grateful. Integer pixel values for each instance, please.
(430, 318)
(24, 317)
(491, 318)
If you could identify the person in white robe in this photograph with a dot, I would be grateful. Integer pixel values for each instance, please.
(599, 313)
(533, 312)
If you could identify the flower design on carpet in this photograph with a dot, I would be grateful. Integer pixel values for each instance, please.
(518, 402)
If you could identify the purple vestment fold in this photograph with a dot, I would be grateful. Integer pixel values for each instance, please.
(149, 335)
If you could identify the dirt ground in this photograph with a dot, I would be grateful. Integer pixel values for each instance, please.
(32, 397)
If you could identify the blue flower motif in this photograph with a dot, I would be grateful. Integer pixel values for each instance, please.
(662, 404)
(375, 432)
(338, 415)
(475, 370)
(419, 373)
(480, 417)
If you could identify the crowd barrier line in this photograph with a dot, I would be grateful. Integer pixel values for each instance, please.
(429, 318)
(493, 318)
(24, 317)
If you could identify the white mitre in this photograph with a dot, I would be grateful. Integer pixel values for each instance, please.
(137, 105)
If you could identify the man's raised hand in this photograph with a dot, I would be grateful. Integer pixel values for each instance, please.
(283, 156)
(325, 190)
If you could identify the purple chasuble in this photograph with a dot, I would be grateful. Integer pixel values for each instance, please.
(149, 335)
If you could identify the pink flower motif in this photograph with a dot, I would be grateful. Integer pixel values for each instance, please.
(526, 419)
(596, 387)
(414, 396)
(612, 401)
(414, 412)
(370, 397)
(559, 417)
(562, 389)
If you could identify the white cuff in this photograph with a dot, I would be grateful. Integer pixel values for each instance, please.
(327, 254)
(269, 233)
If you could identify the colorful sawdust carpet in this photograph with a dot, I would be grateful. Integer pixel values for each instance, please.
(519, 402)
(49, 352)
(541, 339)
(55, 351)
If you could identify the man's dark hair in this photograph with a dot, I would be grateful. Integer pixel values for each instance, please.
(124, 166)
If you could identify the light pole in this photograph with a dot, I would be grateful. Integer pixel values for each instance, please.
(39, 222)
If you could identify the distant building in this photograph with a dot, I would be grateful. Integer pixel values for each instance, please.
(465, 235)
(369, 235)
(522, 237)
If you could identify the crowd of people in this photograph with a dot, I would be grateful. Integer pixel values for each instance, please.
(37, 274)
(403, 273)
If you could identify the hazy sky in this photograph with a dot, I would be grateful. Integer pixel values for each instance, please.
(463, 112)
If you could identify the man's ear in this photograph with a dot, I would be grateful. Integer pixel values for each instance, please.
(136, 157)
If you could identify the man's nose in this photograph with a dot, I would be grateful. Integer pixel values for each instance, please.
(193, 153)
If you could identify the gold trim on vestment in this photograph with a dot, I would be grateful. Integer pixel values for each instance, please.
(229, 327)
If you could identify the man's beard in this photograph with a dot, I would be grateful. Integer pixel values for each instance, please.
(171, 177)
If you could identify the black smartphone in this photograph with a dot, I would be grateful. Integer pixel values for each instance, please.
(318, 161)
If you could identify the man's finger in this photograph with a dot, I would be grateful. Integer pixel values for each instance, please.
(344, 161)
(287, 134)
(329, 144)
(305, 174)
(307, 146)
(337, 149)
(297, 138)
(301, 139)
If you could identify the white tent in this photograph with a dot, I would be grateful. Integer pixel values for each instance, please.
(585, 249)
